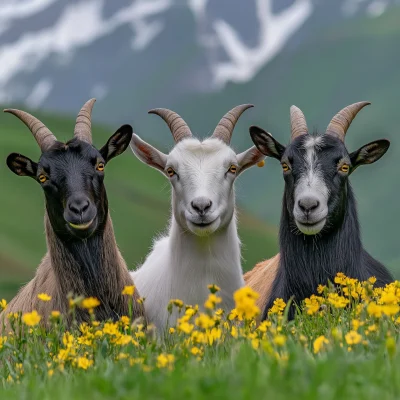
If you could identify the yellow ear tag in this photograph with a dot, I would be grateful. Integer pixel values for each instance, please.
(261, 163)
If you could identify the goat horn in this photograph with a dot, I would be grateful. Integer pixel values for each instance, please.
(83, 125)
(178, 127)
(341, 121)
(225, 127)
(298, 123)
(44, 138)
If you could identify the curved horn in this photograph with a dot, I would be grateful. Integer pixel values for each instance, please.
(178, 127)
(44, 138)
(341, 121)
(227, 124)
(83, 125)
(298, 123)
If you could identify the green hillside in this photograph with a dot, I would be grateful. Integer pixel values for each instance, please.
(139, 199)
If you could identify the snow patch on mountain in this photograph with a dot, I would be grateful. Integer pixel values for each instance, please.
(275, 30)
(79, 25)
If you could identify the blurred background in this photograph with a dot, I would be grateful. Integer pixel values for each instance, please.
(199, 58)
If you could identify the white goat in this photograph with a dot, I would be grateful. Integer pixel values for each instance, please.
(202, 246)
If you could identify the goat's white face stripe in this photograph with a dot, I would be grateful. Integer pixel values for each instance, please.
(311, 183)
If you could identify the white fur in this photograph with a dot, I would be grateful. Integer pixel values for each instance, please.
(182, 264)
(312, 184)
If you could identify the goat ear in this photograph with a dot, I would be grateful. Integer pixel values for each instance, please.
(266, 143)
(21, 165)
(117, 143)
(369, 153)
(249, 158)
(148, 154)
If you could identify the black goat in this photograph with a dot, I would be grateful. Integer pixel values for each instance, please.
(319, 229)
(82, 257)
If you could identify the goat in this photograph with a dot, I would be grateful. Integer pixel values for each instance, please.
(202, 246)
(319, 229)
(82, 257)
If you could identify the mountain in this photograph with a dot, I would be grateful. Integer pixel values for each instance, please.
(202, 57)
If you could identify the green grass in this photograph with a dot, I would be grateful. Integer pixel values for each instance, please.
(139, 199)
(280, 359)
(242, 374)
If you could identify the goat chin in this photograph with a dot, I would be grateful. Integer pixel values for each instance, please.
(204, 230)
(181, 266)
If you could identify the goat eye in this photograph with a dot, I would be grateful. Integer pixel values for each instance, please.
(345, 168)
(170, 172)
(42, 178)
(100, 167)
(232, 169)
(285, 167)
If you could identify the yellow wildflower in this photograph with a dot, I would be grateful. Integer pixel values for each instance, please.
(196, 351)
(213, 288)
(84, 362)
(90, 303)
(2, 341)
(213, 335)
(212, 301)
(124, 320)
(234, 331)
(55, 314)
(44, 297)
(165, 360)
(337, 301)
(278, 307)
(340, 278)
(176, 302)
(245, 302)
(319, 343)
(280, 340)
(374, 309)
(31, 319)
(313, 304)
(204, 321)
(3, 304)
(390, 309)
(353, 337)
(263, 327)
(129, 290)
(171, 330)
(372, 279)
(110, 328)
(320, 289)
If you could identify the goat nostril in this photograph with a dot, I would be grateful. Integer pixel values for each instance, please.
(85, 206)
(314, 206)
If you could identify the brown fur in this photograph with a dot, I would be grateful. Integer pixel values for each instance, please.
(59, 274)
(261, 278)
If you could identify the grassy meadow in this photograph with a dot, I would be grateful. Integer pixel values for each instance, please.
(139, 199)
(343, 343)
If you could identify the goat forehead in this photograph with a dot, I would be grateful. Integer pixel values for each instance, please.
(208, 154)
(66, 160)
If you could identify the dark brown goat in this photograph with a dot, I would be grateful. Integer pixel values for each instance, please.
(82, 257)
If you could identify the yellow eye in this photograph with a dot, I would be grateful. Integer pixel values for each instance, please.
(170, 172)
(285, 167)
(233, 169)
(345, 168)
(100, 167)
(42, 178)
